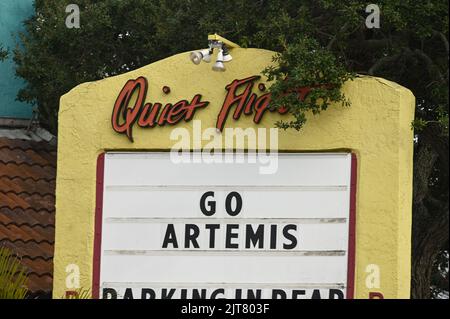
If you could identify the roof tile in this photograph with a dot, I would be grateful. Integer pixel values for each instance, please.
(29, 217)
(29, 185)
(23, 171)
(32, 249)
(40, 282)
(20, 156)
(27, 207)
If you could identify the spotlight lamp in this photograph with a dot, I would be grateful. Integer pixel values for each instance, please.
(205, 55)
(223, 45)
(218, 66)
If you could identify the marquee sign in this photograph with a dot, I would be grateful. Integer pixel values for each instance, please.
(166, 230)
(177, 225)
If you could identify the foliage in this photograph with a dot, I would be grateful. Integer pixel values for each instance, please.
(305, 64)
(440, 277)
(3, 53)
(411, 48)
(12, 276)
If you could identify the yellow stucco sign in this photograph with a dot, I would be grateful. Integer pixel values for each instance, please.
(95, 118)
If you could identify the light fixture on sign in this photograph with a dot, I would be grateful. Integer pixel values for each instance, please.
(205, 55)
(215, 42)
(218, 66)
(226, 54)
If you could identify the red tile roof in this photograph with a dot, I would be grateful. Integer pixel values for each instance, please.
(27, 207)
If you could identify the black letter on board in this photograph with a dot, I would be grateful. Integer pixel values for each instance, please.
(212, 204)
(230, 235)
(170, 237)
(212, 233)
(216, 292)
(273, 236)
(198, 295)
(296, 293)
(252, 295)
(128, 294)
(109, 292)
(290, 237)
(191, 234)
(278, 292)
(256, 238)
(147, 292)
(167, 294)
(238, 208)
(336, 293)
(316, 294)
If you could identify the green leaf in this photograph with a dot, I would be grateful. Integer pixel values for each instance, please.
(13, 277)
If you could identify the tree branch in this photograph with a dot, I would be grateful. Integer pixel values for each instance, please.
(431, 67)
(443, 39)
(342, 29)
(424, 161)
(382, 61)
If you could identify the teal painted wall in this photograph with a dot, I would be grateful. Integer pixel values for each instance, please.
(12, 14)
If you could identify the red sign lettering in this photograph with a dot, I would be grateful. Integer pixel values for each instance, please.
(130, 107)
(125, 116)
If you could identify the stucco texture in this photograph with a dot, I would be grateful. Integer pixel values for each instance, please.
(376, 127)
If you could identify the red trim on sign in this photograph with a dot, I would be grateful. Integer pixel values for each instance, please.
(98, 226)
(352, 230)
